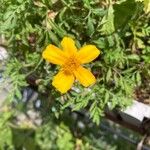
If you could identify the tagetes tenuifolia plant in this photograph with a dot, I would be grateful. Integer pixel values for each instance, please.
(70, 60)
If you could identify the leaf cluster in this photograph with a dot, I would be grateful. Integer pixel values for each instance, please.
(120, 29)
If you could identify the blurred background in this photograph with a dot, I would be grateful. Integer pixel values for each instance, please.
(35, 116)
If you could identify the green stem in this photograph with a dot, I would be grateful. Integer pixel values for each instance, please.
(35, 67)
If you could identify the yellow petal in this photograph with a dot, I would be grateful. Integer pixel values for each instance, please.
(54, 55)
(88, 53)
(84, 76)
(68, 45)
(63, 82)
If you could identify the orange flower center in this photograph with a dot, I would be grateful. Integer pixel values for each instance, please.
(70, 65)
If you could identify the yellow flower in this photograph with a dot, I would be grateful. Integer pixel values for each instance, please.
(70, 60)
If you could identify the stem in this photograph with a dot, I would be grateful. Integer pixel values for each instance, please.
(35, 67)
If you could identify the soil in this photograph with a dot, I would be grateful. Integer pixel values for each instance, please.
(142, 94)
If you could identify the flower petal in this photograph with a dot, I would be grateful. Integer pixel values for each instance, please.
(88, 53)
(68, 45)
(84, 76)
(63, 82)
(54, 55)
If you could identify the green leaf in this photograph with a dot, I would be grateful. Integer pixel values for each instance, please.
(138, 78)
(18, 94)
(90, 27)
(20, 1)
(110, 41)
(133, 57)
(7, 15)
(57, 29)
(123, 13)
(147, 6)
(106, 97)
(101, 42)
(95, 113)
(53, 37)
(108, 75)
(108, 22)
(140, 43)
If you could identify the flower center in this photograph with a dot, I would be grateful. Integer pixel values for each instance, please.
(71, 64)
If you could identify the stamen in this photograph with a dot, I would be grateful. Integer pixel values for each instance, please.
(71, 64)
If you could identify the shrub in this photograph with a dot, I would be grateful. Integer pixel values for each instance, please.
(119, 29)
